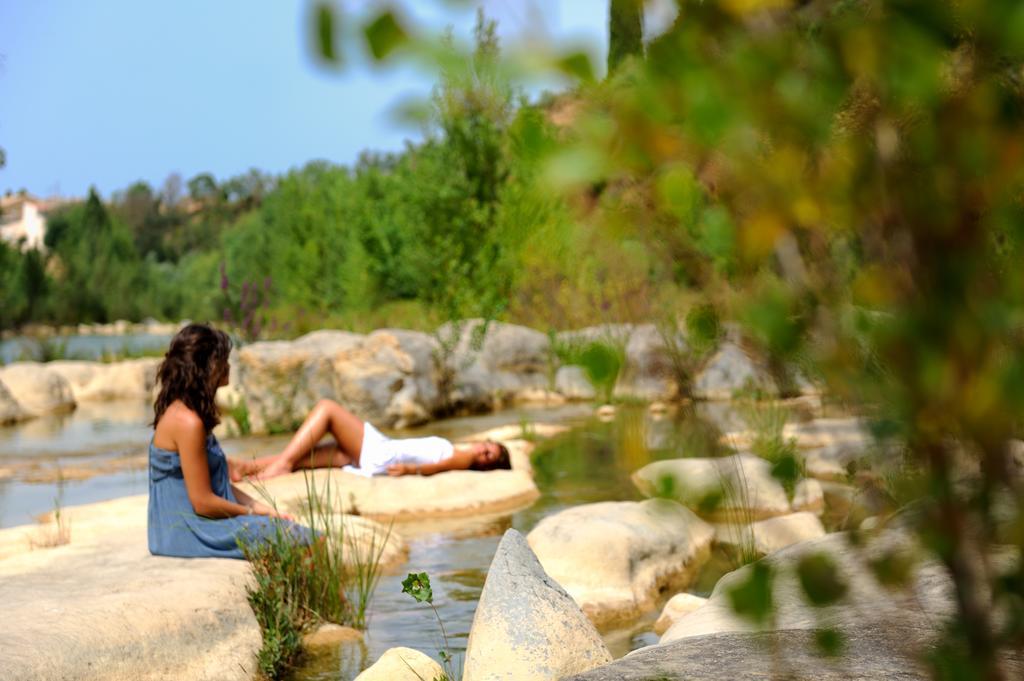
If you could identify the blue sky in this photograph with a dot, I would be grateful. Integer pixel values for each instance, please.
(106, 92)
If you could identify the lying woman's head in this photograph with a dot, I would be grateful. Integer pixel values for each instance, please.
(489, 456)
(194, 367)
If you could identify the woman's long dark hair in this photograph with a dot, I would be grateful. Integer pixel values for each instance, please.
(190, 370)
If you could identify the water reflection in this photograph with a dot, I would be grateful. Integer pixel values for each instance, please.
(81, 347)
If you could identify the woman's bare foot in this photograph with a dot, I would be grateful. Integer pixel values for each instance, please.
(278, 466)
(240, 469)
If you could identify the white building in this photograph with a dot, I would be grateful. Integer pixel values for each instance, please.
(23, 220)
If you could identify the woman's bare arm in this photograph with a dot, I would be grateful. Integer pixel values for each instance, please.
(459, 461)
(189, 436)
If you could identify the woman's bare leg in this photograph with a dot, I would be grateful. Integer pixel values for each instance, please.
(327, 417)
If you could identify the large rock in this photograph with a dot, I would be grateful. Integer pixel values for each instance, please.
(729, 371)
(650, 370)
(281, 381)
(507, 363)
(389, 378)
(526, 627)
(649, 366)
(571, 381)
(678, 606)
(402, 664)
(737, 488)
(885, 633)
(410, 497)
(768, 536)
(38, 389)
(101, 607)
(10, 410)
(927, 602)
(616, 557)
(98, 381)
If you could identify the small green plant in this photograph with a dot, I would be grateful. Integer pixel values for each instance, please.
(417, 585)
(298, 584)
(766, 422)
(240, 413)
(602, 363)
(60, 533)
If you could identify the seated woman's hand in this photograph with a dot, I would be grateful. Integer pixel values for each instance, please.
(270, 512)
(397, 469)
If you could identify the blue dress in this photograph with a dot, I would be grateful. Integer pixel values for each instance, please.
(176, 530)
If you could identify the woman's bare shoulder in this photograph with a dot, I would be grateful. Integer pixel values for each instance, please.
(178, 423)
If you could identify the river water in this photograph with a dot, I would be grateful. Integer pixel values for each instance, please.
(98, 452)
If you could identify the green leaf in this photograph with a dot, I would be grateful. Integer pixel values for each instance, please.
(384, 35)
(326, 28)
(418, 586)
(830, 641)
(752, 598)
(576, 65)
(820, 579)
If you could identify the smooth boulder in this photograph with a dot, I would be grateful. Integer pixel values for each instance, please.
(768, 536)
(38, 389)
(99, 381)
(737, 488)
(731, 371)
(676, 607)
(526, 626)
(494, 365)
(616, 557)
(402, 664)
(10, 410)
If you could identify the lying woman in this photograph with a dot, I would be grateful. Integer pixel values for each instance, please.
(194, 511)
(361, 448)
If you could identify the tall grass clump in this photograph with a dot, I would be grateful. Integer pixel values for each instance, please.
(766, 422)
(297, 586)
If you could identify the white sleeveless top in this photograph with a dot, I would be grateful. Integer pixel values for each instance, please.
(380, 451)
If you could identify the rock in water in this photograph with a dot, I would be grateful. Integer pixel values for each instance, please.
(38, 389)
(10, 410)
(615, 557)
(526, 626)
(730, 371)
(402, 664)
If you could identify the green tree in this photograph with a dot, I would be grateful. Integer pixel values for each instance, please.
(625, 31)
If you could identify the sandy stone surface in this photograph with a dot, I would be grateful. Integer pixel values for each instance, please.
(615, 557)
(677, 606)
(402, 664)
(38, 389)
(770, 535)
(101, 607)
(100, 381)
(736, 488)
(526, 627)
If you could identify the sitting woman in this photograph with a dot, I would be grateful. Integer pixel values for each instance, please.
(194, 511)
(362, 449)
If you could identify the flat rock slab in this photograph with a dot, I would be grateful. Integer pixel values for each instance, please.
(408, 497)
(615, 558)
(869, 655)
(113, 612)
(101, 607)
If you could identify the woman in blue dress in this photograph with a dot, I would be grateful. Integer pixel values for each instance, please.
(194, 510)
